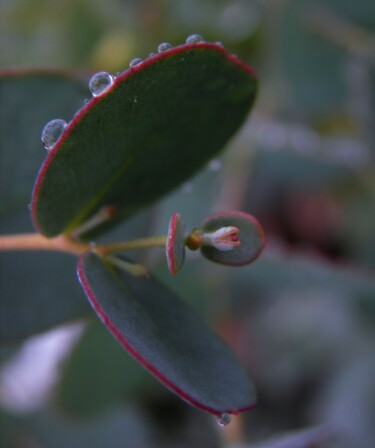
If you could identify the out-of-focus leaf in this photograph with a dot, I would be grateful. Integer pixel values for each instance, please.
(293, 272)
(317, 39)
(166, 337)
(29, 98)
(305, 438)
(98, 374)
(37, 290)
(157, 124)
(47, 428)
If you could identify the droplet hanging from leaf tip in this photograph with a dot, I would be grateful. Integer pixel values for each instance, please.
(224, 419)
(100, 82)
(164, 46)
(52, 132)
(135, 61)
(194, 39)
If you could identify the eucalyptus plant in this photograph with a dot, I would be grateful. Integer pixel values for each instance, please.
(144, 132)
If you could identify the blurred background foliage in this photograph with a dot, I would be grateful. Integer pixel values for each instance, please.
(301, 318)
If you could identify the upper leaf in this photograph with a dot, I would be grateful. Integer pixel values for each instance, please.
(166, 337)
(158, 123)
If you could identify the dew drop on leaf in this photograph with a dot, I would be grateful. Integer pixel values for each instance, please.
(135, 61)
(100, 82)
(187, 187)
(224, 419)
(52, 132)
(164, 47)
(194, 39)
(214, 165)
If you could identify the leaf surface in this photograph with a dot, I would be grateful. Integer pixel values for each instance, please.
(166, 337)
(157, 124)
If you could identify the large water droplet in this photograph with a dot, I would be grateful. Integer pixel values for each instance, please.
(135, 61)
(100, 82)
(194, 39)
(224, 419)
(214, 165)
(52, 132)
(164, 47)
(187, 187)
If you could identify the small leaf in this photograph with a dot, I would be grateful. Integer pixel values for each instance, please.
(250, 234)
(175, 247)
(166, 337)
(148, 132)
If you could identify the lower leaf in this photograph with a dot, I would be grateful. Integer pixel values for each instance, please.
(166, 337)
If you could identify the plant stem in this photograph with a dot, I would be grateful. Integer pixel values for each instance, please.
(142, 243)
(64, 243)
(35, 241)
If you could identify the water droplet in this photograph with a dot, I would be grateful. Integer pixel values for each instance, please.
(85, 101)
(220, 44)
(187, 187)
(100, 82)
(152, 54)
(194, 39)
(164, 47)
(224, 419)
(135, 61)
(52, 132)
(214, 165)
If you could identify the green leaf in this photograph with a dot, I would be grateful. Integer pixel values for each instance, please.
(37, 290)
(250, 233)
(151, 130)
(98, 375)
(166, 337)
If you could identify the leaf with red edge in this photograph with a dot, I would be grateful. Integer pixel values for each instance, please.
(166, 337)
(175, 247)
(157, 124)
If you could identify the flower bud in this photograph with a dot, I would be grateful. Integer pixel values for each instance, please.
(224, 238)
